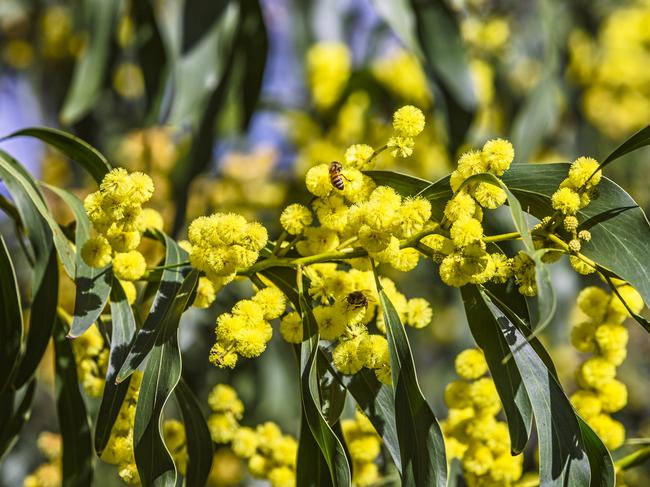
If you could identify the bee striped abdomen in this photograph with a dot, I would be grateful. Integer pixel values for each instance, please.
(336, 178)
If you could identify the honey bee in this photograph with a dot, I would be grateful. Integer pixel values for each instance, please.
(359, 299)
(336, 178)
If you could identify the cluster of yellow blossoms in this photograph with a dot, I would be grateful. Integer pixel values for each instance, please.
(599, 330)
(270, 454)
(221, 243)
(91, 356)
(463, 257)
(246, 329)
(611, 68)
(472, 432)
(49, 473)
(117, 215)
(328, 70)
(364, 445)
(119, 450)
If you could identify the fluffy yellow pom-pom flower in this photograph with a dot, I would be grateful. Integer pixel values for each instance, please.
(129, 266)
(498, 154)
(566, 200)
(357, 156)
(580, 171)
(408, 121)
(470, 364)
(295, 218)
(96, 252)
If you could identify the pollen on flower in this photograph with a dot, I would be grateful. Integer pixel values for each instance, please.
(129, 266)
(357, 156)
(295, 218)
(408, 121)
(566, 200)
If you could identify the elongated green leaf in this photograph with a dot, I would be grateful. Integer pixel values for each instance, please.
(506, 376)
(253, 53)
(422, 448)
(563, 458)
(378, 403)
(11, 317)
(311, 467)
(332, 391)
(600, 461)
(620, 233)
(636, 141)
(90, 69)
(10, 169)
(399, 16)
(164, 310)
(76, 149)
(329, 444)
(17, 407)
(41, 321)
(92, 285)
(199, 441)
(71, 410)
(161, 375)
(122, 331)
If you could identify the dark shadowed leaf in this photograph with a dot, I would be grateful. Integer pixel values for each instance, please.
(311, 467)
(76, 149)
(90, 69)
(329, 444)
(71, 410)
(164, 310)
(92, 286)
(332, 391)
(199, 441)
(161, 375)
(507, 378)
(254, 49)
(122, 331)
(636, 141)
(422, 448)
(11, 317)
(14, 174)
(563, 458)
(600, 461)
(17, 407)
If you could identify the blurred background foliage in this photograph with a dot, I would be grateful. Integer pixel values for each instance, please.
(226, 104)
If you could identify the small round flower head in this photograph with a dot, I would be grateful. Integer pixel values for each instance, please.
(150, 219)
(357, 156)
(129, 266)
(365, 474)
(470, 364)
(457, 394)
(418, 313)
(582, 336)
(121, 240)
(489, 195)
(466, 232)
(222, 357)
(469, 163)
(96, 252)
(272, 302)
(117, 184)
(477, 459)
(291, 327)
(498, 154)
(586, 403)
(222, 427)
(408, 121)
(566, 200)
(502, 268)
(346, 358)
(328, 68)
(631, 297)
(412, 215)
(401, 146)
(451, 271)
(584, 235)
(461, 207)
(405, 260)
(372, 350)
(223, 399)
(330, 324)
(575, 245)
(609, 430)
(295, 218)
(581, 170)
(318, 182)
(141, 187)
(282, 477)
(570, 223)
(610, 337)
(613, 396)
(244, 442)
(331, 212)
(317, 240)
(205, 293)
(595, 372)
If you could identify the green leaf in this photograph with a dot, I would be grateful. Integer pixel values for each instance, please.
(92, 286)
(88, 76)
(199, 441)
(636, 141)
(329, 444)
(377, 401)
(505, 373)
(332, 391)
(563, 458)
(122, 331)
(311, 467)
(161, 375)
(11, 317)
(422, 448)
(254, 50)
(11, 170)
(165, 310)
(600, 461)
(620, 233)
(41, 321)
(76, 149)
(17, 408)
(71, 410)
